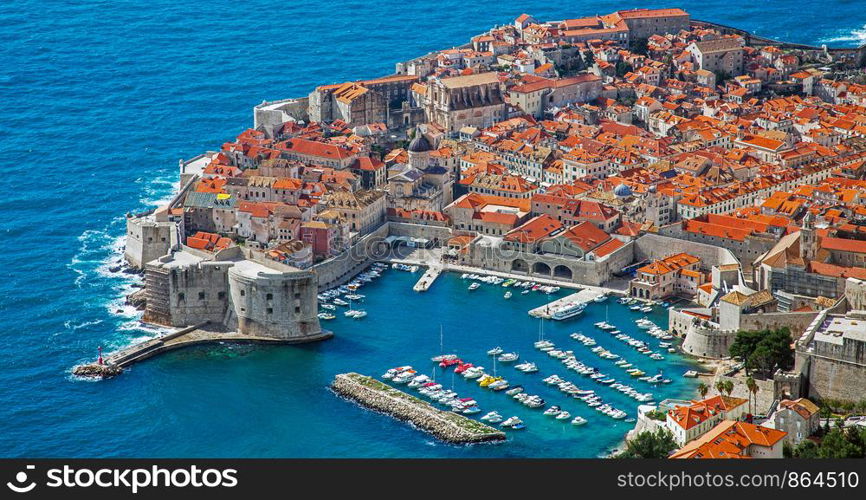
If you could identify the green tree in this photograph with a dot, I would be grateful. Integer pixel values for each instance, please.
(836, 445)
(703, 390)
(640, 46)
(729, 387)
(744, 345)
(764, 351)
(588, 58)
(806, 449)
(720, 386)
(649, 444)
(752, 386)
(622, 68)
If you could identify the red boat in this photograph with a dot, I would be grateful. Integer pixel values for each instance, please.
(463, 367)
(449, 362)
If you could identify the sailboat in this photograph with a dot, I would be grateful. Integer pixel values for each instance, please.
(442, 356)
(541, 342)
(354, 313)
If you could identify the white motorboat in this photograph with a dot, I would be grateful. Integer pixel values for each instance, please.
(507, 295)
(563, 415)
(508, 357)
(417, 381)
(474, 286)
(578, 420)
(568, 311)
(496, 351)
(443, 357)
(340, 302)
(527, 367)
(600, 298)
(552, 411)
(492, 417)
(517, 389)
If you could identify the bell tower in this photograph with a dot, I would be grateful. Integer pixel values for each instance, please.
(808, 238)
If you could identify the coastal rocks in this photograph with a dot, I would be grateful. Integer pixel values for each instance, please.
(95, 370)
(447, 426)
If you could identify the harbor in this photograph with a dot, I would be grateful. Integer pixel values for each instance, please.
(499, 376)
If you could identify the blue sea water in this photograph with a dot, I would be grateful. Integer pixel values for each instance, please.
(99, 99)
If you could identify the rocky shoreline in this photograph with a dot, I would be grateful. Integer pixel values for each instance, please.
(447, 426)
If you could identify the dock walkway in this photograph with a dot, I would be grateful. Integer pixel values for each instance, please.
(584, 296)
(114, 362)
(427, 279)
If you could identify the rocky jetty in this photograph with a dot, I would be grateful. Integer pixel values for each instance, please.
(447, 426)
(95, 370)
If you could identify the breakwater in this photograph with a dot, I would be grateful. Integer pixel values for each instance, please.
(447, 426)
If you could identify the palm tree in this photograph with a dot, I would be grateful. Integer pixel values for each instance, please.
(729, 387)
(752, 386)
(720, 386)
(703, 390)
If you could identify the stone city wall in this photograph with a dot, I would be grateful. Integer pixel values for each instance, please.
(341, 268)
(654, 246)
(834, 379)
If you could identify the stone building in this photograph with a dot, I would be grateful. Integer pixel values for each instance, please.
(800, 418)
(662, 278)
(149, 237)
(362, 210)
(722, 55)
(239, 290)
(536, 95)
(473, 100)
(643, 23)
(831, 352)
(361, 102)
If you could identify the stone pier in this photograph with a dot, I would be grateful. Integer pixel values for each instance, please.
(427, 280)
(444, 425)
(116, 362)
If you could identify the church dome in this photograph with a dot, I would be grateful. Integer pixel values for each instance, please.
(622, 191)
(419, 144)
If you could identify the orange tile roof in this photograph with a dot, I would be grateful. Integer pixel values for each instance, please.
(699, 411)
(586, 235)
(608, 247)
(730, 439)
(534, 229)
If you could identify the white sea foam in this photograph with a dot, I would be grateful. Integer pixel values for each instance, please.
(856, 35)
(72, 326)
(159, 191)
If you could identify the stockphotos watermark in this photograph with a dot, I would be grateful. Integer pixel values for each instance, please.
(129, 479)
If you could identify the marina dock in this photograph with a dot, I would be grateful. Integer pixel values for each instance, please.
(445, 425)
(427, 279)
(584, 296)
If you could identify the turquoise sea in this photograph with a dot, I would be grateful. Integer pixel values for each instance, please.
(99, 99)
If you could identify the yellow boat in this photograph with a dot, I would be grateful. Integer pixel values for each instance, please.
(638, 373)
(487, 380)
